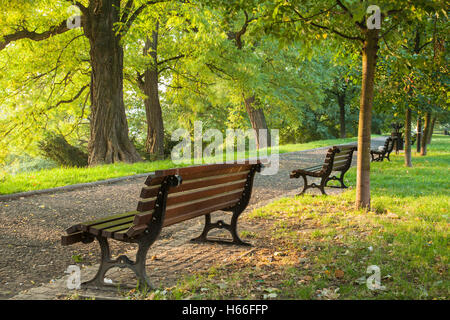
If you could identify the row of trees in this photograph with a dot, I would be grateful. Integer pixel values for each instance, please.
(279, 64)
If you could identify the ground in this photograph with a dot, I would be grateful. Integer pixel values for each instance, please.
(30, 231)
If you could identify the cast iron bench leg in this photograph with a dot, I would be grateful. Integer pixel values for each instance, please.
(122, 261)
(340, 179)
(306, 186)
(232, 228)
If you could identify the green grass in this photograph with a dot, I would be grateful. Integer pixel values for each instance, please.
(325, 246)
(57, 177)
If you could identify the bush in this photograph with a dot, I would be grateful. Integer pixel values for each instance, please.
(55, 147)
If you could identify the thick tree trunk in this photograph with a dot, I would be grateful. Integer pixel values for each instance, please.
(155, 126)
(109, 141)
(257, 119)
(426, 131)
(407, 146)
(430, 134)
(419, 133)
(369, 58)
(341, 102)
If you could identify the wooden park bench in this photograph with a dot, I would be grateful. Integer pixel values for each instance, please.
(384, 151)
(169, 197)
(338, 159)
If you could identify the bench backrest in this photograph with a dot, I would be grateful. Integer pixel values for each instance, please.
(202, 190)
(338, 158)
(389, 145)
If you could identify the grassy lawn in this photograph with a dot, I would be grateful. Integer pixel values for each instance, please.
(57, 177)
(320, 247)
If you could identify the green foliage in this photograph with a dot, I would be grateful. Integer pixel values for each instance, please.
(291, 67)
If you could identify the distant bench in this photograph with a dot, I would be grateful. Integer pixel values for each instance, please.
(383, 152)
(170, 197)
(337, 159)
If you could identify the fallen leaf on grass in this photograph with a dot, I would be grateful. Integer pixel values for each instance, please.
(339, 273)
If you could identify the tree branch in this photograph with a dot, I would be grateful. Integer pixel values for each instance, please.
(70, 100)
(325, 27)
(340, 4)
(135, 14)
(127, 10)
(32, 35)
(170, 59)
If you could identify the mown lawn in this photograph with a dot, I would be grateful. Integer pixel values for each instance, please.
(320, 247)
(57, 177)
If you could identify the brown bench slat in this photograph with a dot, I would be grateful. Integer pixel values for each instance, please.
(143, 217)
(340, 163)
(132, 232)
(85, 225)
(69, 239)
(148, 192)
(204, 168)
(312, 168)
(205, 192)
(194, 194)
(97, 229)
(192, 206)
(109, 233)
(190, 173)
(192, 214)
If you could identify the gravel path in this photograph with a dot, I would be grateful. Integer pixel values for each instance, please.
(31, 227)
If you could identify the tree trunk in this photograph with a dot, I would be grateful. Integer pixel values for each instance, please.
(369, 58)
(407, 146)
(430, 134)
(419, 133)
(257, 119)
(341, 102)
(426, 130)
(154, 144)
(109, 141)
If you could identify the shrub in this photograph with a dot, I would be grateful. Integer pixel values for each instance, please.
(55, 147)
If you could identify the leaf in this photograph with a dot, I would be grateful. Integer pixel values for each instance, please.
(339, 274)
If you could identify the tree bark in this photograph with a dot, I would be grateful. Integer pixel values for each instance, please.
(430, 134)
(369, 58)
(419, 133)
(154, 144)
(257, 119)
(407, 146)
(109, 141)
(426, 130)
(341, 102)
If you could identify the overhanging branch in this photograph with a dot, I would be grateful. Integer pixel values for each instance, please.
(332, 30)
(32, 35)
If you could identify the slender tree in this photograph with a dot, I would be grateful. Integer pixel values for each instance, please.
(365, 26)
